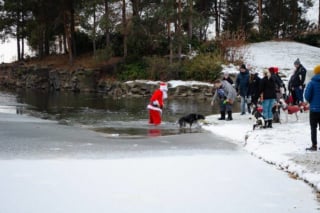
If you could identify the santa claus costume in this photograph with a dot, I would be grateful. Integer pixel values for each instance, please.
(156, 104)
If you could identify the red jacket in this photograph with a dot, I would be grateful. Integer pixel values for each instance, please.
(157, 98)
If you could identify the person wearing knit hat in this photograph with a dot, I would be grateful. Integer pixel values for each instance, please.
(156, 104)
(242, 87)
(312, 95)
(280, 87)
(297, 82)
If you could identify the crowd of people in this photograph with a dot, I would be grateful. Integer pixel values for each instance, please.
(267, 92)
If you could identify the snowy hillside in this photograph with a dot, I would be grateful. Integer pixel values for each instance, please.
(281, 54)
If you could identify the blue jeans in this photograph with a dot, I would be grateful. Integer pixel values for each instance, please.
(243, 105)
(267, 105)
(299, 94)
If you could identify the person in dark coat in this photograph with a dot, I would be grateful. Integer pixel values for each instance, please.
(242, 87)
(280, 87)
(297, 82)
(268, 97)
(312, 95)
(254, 87)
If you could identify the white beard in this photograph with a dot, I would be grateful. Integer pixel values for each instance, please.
(164, 95)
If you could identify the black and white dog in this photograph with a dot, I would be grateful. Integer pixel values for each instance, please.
(259, 119)
(190, 119)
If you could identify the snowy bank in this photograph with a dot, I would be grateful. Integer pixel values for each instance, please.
(283, 145)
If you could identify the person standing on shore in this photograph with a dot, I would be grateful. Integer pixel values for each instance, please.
(312, 95)
(268, 97)
(226, 94)
(297, 82)
(254, 88)
(156, 104)
(242, 87)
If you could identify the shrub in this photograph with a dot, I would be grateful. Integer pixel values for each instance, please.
(133, 71)
(204, 67)
(103, 54)
(159, 68)
(312, 38)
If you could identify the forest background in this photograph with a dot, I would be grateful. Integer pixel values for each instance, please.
(154, 39)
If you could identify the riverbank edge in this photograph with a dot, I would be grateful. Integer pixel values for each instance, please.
(48, 78)
(285, 152)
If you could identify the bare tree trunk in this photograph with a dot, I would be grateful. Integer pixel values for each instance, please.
(18, 32)
(65, 45)
(68, 36)
(72, 28)
(135, 8)
(260, 14)
(60, 44)
(22, 35)
(190, 19)
(18, 48)
(319, 17)
(179, 30)
(106, 14)
(124, 29)
(171, 46)
(216, 17)
(294, 18)
(219, 14)
(241, 25)
(94, 30)
(46, 42)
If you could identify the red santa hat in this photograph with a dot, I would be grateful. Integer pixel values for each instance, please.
(163, 86)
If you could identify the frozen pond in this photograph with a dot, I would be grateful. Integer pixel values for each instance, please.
(48, 167)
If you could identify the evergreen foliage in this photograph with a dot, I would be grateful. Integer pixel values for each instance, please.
(169, 29)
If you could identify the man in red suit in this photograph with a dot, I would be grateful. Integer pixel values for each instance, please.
(156, 104)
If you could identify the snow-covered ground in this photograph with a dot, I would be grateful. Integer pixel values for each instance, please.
(285, 144)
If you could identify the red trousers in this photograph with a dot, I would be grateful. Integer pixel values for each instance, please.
(154, 117)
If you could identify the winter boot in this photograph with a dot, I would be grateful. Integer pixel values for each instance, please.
(229, 116)
(269, 123)
(266, 123)
(312, 148)
(223, 116)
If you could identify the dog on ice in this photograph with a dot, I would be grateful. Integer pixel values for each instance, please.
(190, 119)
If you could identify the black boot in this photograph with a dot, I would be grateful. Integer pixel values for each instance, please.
(229, 116)
(269, 124)
(312, 148)
(223, 116)
(266, 123)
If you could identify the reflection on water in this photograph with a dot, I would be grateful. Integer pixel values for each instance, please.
(124, 117)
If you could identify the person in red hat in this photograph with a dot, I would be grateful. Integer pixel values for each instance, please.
(280, 87)
(156, 104)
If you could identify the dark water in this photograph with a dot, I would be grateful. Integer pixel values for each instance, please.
(126, 117)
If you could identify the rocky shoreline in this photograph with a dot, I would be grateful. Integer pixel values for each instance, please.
(13, 76)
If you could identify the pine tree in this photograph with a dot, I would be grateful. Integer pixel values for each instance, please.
(239, 15)
(284, 19)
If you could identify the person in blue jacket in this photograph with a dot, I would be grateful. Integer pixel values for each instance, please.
(242, 87)
(312, 95)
